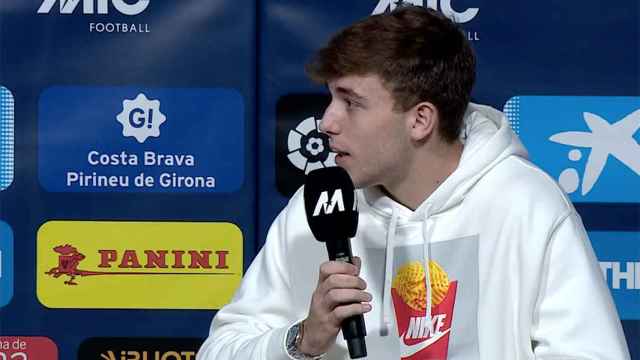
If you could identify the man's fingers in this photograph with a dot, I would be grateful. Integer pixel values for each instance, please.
(341, 281)
(344, 311)
(329, 268)
(336, 297)
(358, 263)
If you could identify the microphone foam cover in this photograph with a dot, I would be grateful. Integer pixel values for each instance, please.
(329, 201)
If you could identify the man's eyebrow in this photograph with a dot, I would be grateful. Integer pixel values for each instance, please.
(350, 93)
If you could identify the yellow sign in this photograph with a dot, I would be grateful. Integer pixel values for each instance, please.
(138, 265)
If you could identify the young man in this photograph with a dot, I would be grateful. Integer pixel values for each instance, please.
(468, 250)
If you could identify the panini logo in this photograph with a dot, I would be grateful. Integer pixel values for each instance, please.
(157, 265)
(69, 259)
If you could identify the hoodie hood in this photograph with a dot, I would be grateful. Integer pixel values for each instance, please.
(488, 139)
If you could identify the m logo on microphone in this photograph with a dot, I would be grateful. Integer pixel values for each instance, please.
(326, 206)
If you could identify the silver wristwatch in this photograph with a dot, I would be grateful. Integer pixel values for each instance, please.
(294, 336)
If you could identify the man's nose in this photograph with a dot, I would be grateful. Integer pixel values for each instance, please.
(329, 123)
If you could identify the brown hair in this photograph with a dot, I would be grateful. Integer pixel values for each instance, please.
(419, 54)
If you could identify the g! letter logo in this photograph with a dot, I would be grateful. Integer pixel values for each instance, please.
(141, 118)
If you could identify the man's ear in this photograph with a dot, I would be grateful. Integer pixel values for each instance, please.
(423, 121)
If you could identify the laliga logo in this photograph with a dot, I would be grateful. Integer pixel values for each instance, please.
(445, 8)
(308, 147)
(141, 118)
(604, 140)
(69, 6)
(324, 206)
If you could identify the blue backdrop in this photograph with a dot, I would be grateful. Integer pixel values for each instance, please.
(228, 76)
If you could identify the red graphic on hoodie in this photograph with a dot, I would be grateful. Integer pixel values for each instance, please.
(421, 339)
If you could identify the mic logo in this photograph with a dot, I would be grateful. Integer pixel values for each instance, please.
(445, 7)
(323, 204)
(69, 6)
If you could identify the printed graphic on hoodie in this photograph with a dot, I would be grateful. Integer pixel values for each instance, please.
(589, 144)
(453, 273)
(421, 337)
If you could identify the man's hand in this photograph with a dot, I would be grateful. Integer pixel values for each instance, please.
(339, 295)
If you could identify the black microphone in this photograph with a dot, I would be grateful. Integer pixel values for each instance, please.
(329, 201)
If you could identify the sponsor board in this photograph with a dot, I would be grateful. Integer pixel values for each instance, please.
(6, 264)
(588, 144)
(300, 146)
(619, 256)
(138, 265)
(459, 13)
(27, 348)
(93, 10)
(141, 140)
(105, 348)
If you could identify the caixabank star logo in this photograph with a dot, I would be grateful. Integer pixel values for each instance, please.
(300, 146)
(588, 143)
(143, 265)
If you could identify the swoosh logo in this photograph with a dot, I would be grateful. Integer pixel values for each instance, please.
(410, 350)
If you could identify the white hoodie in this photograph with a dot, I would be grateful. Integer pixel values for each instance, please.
(512, 273)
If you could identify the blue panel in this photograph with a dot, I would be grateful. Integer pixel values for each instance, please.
(619, 257)
(133, 139)
(6, 264)
(589, 144)
(571, 48)
(185, 54)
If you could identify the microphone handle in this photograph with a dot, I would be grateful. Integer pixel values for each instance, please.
(353, 328)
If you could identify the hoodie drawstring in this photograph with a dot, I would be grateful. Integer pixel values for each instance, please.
(427, 232)
(388, 276)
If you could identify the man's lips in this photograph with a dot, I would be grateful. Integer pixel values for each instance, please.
(339, 152)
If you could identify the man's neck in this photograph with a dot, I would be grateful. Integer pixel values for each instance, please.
(429, 169)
